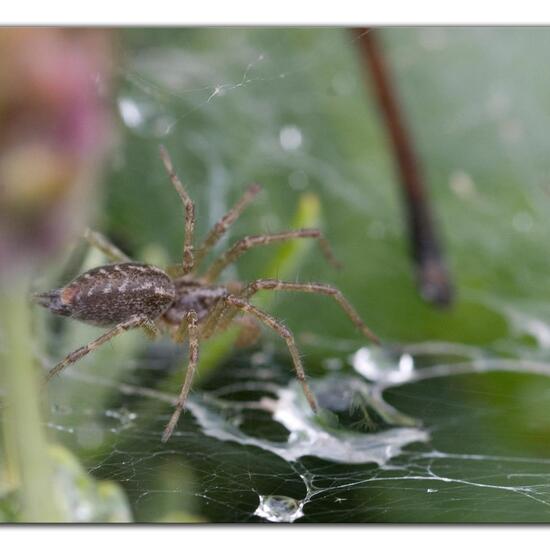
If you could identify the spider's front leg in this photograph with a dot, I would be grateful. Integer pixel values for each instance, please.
(73, 357)
(240, 247)
(189, 208)
(217, 232)
(191, 320)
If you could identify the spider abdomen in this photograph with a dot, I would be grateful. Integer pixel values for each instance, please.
(111, 294)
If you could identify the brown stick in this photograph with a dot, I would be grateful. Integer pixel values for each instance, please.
(432, 275)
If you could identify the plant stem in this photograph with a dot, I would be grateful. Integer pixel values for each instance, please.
(433, 277)
(25, 441)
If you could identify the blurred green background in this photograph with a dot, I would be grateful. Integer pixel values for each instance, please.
(292, 109)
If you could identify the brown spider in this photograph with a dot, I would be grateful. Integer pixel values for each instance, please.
(128, 295)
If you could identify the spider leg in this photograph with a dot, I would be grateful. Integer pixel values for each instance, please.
(192, 327)
(151, 330)
(133, 322)
(313, 288)
(189, 207)
(103, 244)
(223, 225)
(210, 324)
(284, 333)
(240, 247)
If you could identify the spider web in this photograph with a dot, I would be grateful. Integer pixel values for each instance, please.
(436, 431)
(254, 450)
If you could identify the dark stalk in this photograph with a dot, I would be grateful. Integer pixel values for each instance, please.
(433, 278)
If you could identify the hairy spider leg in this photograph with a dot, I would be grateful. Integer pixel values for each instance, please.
(313, 288)
(189, 208)
(284, 333)
(133, 322)
(220, 228)
(240, 247)
(193, 332)
(210, 324)
(226, 316)
(104, 245)
(151, 330)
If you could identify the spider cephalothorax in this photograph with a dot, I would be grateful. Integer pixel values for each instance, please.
(188, 305)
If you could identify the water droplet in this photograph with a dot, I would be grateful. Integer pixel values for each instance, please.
(279, 509)
(406, 365)
(381, 366)
(290, 138)
(145, 118)
(130, 112)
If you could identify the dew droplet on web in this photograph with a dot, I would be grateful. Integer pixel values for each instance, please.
(378, 365)
(279, 509)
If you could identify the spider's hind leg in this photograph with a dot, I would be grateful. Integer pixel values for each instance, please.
(287, 336)
(74, 356)
(313, 288)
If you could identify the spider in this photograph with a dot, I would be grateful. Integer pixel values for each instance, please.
(125, 295)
